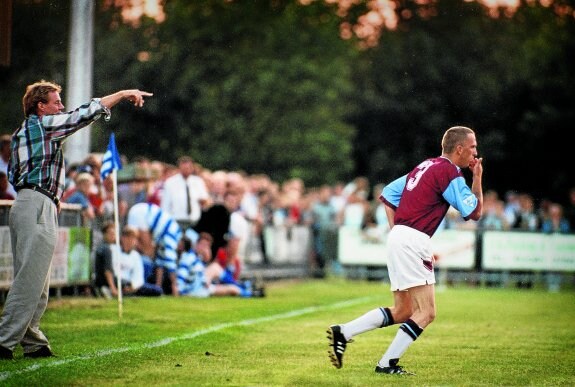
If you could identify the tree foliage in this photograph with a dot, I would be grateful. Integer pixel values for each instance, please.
(39, 51)
(508, 78)
(258, 86)
(269, 86)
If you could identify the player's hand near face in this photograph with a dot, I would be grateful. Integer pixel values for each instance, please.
(476, 166)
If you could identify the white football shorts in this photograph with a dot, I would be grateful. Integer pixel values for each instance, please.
(409, 261)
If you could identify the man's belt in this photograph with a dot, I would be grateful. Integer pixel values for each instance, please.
(43, 191)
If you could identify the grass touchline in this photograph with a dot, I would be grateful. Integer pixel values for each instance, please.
(188, 336)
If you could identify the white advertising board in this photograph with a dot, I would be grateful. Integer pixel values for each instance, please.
(70, 264)
(454, 249)
(528, 251)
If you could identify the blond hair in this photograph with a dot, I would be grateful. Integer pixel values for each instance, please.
(454, 136)
(36, 93)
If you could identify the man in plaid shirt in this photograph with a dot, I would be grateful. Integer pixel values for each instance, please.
(36, 170)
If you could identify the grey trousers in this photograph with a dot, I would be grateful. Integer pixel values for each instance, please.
(33, 233)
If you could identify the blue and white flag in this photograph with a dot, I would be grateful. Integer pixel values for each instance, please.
(110, 163)
(111, 160)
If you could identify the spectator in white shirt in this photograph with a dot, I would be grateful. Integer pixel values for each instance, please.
(185, 194)
(128, 264)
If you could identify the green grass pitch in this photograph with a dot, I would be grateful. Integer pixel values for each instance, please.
(481, 337)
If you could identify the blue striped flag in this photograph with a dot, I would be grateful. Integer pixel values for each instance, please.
(111, 160)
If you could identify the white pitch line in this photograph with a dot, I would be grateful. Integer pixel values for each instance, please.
(188, 336)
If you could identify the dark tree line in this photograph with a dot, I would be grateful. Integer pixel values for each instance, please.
(270, 87)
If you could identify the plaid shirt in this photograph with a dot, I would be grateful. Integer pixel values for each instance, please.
(36, 149)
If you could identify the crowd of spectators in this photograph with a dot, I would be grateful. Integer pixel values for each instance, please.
(232, 206)
(519, 212)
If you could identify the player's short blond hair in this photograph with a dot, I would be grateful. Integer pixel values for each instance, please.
(454, 136)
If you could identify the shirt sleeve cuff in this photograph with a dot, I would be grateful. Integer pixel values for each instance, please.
(107, 112)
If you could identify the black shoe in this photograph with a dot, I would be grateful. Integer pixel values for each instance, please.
(338, 343)
(6, 354)
(42, 352)
(393, 369)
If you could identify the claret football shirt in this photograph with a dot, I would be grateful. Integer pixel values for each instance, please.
(422, 197)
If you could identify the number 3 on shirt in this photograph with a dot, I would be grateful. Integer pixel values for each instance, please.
(412, 182)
